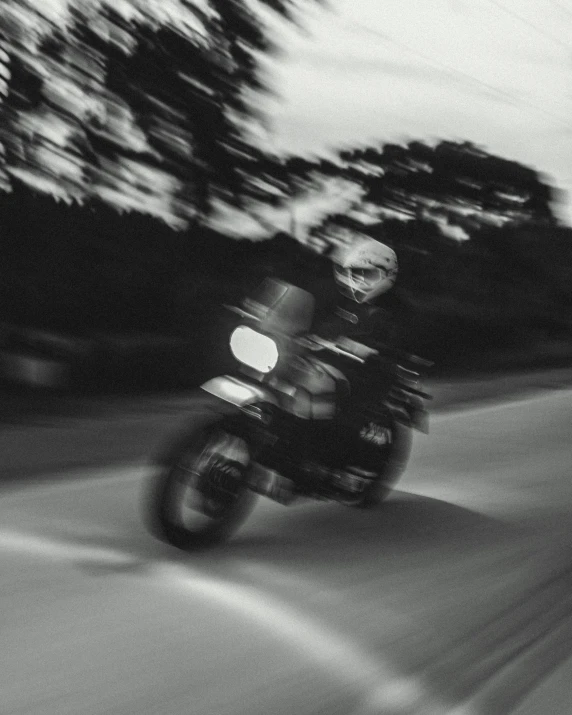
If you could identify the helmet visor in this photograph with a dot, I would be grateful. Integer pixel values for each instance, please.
(367, 276)
(360, 284)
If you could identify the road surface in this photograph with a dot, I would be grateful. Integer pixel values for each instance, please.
(454, 598)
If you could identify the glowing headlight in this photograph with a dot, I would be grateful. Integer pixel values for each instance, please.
(254, 349)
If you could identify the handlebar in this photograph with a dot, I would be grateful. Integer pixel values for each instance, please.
(315, 342)
(361, 352)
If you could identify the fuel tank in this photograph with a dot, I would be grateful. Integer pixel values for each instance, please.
(313, 389)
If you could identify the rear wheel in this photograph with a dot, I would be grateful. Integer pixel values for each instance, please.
(391, 463)
(200, 497)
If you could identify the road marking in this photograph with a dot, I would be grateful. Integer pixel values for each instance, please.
(282, 578)
(37, 545)
(76, 480)
(382, 688)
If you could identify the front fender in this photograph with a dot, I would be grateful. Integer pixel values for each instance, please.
(238, 392)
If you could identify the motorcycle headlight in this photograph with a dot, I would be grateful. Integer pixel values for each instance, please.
(254, 349)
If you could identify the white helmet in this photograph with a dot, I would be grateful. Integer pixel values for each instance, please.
(365, 269)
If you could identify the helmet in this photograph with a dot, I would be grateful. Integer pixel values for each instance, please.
(365, 269)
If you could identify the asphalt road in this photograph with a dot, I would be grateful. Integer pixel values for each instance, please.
(453, 598)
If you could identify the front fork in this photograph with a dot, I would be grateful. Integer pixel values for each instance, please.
(250, 423)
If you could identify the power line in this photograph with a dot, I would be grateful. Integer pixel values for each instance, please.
(534, 27)
(502, 93)
(450, 70)
(560, 6)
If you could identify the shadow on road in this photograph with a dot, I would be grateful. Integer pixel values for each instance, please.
(339, 541)
(405, 520)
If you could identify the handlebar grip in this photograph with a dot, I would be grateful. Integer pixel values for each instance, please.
(320, 343)
(401, 354)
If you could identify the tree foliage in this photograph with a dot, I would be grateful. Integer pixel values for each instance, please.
(145, 104)
(455, 185)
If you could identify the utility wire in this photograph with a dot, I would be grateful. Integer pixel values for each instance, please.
(502, 93)
(450, 70)
(560, 6)
(534, 27)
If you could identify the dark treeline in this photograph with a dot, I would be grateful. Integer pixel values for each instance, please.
(504, 290)
(93, 275)
(84, 270)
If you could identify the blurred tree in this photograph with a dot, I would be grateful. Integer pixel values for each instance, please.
(146, 104)
(456, 186)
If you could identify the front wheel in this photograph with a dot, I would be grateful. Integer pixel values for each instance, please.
(199, 497)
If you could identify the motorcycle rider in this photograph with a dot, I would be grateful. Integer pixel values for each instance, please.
(365, 271)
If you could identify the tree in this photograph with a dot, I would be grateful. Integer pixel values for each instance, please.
(147, 105)
(456, 186)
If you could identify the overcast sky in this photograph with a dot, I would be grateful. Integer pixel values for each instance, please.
(495, 73)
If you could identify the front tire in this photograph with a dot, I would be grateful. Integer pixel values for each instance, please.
(200, 466)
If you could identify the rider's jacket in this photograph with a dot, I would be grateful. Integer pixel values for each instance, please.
(372, 325)
(375, 326)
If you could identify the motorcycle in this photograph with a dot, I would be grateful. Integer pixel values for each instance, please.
(284, 427)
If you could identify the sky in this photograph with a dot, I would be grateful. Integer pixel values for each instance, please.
(497, 73)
